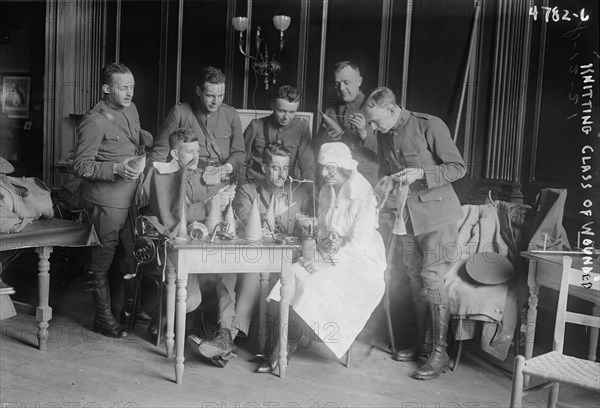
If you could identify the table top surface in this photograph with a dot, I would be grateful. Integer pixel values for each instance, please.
(50, 232)
(555, 258)
(267, 242)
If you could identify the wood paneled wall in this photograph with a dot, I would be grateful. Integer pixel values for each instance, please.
(509, 133)
(76, 44)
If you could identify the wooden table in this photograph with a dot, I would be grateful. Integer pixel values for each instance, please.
(238, 256)
(545, 269)
(43, 235)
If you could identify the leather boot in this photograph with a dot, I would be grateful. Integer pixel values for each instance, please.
(140, 314)
(220, 345)
(424, 344)
(438, 361)
(104, 321)
(271, 364)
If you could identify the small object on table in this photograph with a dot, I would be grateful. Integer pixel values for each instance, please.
(197, 231)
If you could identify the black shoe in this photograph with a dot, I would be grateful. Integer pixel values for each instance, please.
(152, 330)
(114, 331)
(140, 316)
(437, 363)
(219, 361)
(413, 353)
(267, 367)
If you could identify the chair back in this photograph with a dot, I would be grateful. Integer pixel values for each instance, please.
(574, 277)
(246, 115)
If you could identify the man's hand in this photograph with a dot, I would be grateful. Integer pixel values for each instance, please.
(334, 130)
(122, 169)
(409, 175)
(313, 266)
(329, 246)
(214, 175)
(359, 123)
(382, 190)
(225, 195)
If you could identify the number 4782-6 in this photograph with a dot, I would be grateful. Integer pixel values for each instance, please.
(554, 14)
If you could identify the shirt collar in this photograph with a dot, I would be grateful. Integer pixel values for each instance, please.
(360, 97)
(402, 119)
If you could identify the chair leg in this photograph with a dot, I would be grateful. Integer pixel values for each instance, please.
(202, 322)
(517, 384)
(458, 354)
(136, 299)
(347, 364)
(160, 310)
(553, 395)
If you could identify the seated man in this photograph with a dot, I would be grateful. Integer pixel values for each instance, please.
(283, 127)
(162, 185)
(236, 316)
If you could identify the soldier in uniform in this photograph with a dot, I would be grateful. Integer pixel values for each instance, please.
(162, 185)
(344, 122)
(417, 152)
(289, 200)
(217, 125)
(106, 158)
(219, 131)
(281, 127)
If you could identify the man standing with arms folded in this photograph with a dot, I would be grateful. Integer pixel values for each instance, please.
(108, 159)
(417, 152)
(344, 122)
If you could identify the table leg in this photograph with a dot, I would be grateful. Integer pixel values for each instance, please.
(180, 326)
(43, 312)
(171, 274)
(594, 334)
(262, 321)
(531, 314)
(284, 312)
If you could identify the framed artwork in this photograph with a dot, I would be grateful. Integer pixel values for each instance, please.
(15, 96)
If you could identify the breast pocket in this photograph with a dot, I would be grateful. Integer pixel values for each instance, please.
(412, 155)
(223, 141)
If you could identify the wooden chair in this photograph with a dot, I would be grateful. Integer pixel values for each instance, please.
(246, 115)
(555, 367)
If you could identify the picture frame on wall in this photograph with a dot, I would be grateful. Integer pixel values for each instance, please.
(15, 96)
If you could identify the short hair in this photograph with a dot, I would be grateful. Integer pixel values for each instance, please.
(211, 75)
(343, 64)
(381, 97)
(181, 135)
(112, 69)
(288, 93)
(274, 149)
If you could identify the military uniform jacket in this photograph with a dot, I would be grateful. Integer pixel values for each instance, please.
(162, 186)
(363, 151)
(296, 137)
(423, 141)
(224, 126)
(285, 209)
(100, 144)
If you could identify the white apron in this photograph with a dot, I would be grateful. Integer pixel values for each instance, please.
(337, 301)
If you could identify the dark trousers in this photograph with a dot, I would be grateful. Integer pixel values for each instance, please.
(112, 225)
(427, 258)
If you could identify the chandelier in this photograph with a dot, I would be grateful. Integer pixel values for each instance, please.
(263, 64)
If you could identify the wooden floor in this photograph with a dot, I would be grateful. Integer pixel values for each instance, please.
(83, 369)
